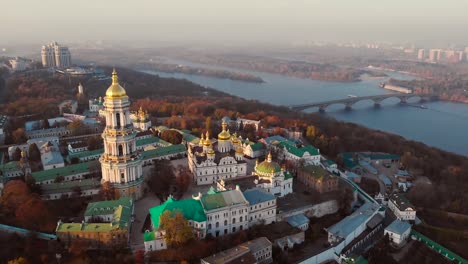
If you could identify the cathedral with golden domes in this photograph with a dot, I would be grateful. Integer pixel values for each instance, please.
(140, 120)
(121, 164)
(212, 160)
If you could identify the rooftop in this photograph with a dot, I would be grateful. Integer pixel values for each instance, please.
(214, 200)
(163, 151)
(257, 146)
(299, 151)
(51, 174)
(351, 222)
(398, 227)
(51, 157)
(107, 207)
(239, 254)
(274, 140)
(151, 140)
(257, 195)
(87, 153)
(190, 208)
(401, 201)
(298, 220)
(64, 187)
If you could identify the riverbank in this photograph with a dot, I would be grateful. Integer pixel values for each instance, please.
(185, 69)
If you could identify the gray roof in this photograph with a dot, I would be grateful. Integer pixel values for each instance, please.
(298, 220)
(51, 158)
(351, 222)
(401, 201)
(257, 195)
(257, 244)
(398, 227)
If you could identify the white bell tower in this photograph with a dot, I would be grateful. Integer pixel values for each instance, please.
(121, 164)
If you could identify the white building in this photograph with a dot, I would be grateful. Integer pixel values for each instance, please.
(55, 55)
(245, 122)
(254, 150)
(226, 212)
(18, 64)
(401, 207)
(273, 178)
(398, 232)
(262, 206)
(75, 147)
(141, 120)
(254, 251)
(224, 160)
(353, 225)
(50, 156)
(96, 105)
(300, 221)
(308, 154)
(121, 164)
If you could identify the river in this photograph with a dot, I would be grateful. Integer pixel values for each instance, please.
(442, 124)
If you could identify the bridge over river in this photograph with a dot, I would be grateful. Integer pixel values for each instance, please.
(377, 99)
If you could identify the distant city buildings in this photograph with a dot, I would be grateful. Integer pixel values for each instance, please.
(440, 55)
(55, 55)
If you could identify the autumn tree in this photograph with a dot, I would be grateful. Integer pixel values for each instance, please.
(345, 201)
(14, 194)
(162, 178)
(34, 214)
(75, 126)
(171, 136)
(183, 179)
(19, 136)
(94, 143)
(17, 154)
(178, 230)
(19, 260)
(45, 123)
(311, 131)
(107, 191)
(34, 153)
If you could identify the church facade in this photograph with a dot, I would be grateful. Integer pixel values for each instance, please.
(210, 162)
(121, 164)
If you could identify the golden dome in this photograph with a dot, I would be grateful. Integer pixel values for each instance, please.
(224, 135)
(115, 90)
(207, 141)
(239, 151)
(210, 151)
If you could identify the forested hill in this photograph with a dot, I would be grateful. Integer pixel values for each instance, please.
(40, 92)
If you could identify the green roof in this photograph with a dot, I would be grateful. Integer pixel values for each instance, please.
(268, 167)
(316, 171)
(107, 207)
(51, 174)
(68, 186)
(299, 152)
(85, 153)
(438, 247)
(151, 140)
(121, 220)
(11, 166)
(257, 146)
(287, 175)
(214, 200)
(163, 151)
(149, 236)
(191, 209)
(330, 162)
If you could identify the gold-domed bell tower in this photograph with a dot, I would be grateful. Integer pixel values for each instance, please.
(121, 164)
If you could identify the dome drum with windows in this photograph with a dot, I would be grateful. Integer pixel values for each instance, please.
(268, 168)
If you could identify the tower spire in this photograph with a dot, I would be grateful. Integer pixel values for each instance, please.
(115, 78)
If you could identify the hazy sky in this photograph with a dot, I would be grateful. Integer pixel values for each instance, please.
(234, 21)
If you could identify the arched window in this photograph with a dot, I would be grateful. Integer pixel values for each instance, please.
(225, 222)
(117, 117)
(217, 224)
(240, 219)
(120, 150)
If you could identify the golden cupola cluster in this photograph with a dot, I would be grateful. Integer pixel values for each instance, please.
(115, 90)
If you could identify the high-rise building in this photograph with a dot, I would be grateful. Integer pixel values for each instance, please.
(55, 55)
(434, 55)
(121, 164)
(421, 54)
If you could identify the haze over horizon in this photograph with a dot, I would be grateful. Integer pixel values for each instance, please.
(259, 22)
